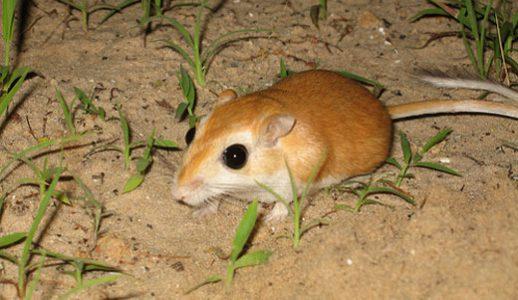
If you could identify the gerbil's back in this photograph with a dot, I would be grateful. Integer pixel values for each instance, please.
(353, 124)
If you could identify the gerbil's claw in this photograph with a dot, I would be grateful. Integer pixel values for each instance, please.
(278, 213)
(208, 209)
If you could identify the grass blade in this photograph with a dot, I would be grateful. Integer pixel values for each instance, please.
(6, 98)
(11, 239)
(378, 86)
(126, 135)
(66, 111)
(252, 259)
(394, 162)
(437, 167)
(471, 55)
(90, 283)
(181, 51)
(405, 146)
(117, 9)
(314, 223)
(2, 200)
(133, 182)
(275, 194)
(44, 203)
(244, 230)
(209, 280)
(387, 190)
(183, 31)
(439, 137)
(166, 144)
(429, 12)
(34, 282)
(225, 39)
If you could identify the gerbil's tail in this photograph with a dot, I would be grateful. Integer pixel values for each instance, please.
(472, 84)
(431, 107)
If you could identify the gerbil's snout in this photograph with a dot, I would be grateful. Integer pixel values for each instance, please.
(182, 192)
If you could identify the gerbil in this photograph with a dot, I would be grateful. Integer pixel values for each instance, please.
(298, 120)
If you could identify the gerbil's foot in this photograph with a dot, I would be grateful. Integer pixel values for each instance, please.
(208, 209)
(278, 213)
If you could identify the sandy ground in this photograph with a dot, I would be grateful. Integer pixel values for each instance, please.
(460, 241)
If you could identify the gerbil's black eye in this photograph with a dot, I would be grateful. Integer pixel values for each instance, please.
(189, 136)
(235, 156)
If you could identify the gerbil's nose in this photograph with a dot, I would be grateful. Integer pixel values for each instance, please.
(181, 192)
(178, 195)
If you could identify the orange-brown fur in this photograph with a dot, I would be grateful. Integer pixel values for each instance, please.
(333, 114)
(348, 120)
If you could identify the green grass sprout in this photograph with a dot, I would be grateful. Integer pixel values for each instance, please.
(199, 59)
(299, 229)
(364, 191)
(284, 71)
(318, 12)
(144, 162)
(128, 146)
(87, 104)
(126, 138)
(86, 9)
(415, 159)
(189, 94)
(69, 117)
(237, 259)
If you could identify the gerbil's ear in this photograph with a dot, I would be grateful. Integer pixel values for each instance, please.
(226, 96)
(275, 127)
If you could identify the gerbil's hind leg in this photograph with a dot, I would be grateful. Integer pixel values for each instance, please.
(209, 208)
(278, 213)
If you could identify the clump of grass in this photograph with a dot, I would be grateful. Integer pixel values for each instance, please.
(86, 9)
(10, 80)
(46, 179)
(298, 201)
(189, 94)
(238, 259)
(318, 12)
(482, 27)
(415, 159)
(150, 9)
(86, 105)
(199, 59)
(365, 191)
(143, 162)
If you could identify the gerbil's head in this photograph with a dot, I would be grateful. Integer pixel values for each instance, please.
(235, 146)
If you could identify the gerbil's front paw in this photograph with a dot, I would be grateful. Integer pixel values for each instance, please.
(278, 213)
(208, 209)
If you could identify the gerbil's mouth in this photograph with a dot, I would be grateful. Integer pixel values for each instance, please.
(181, 202)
